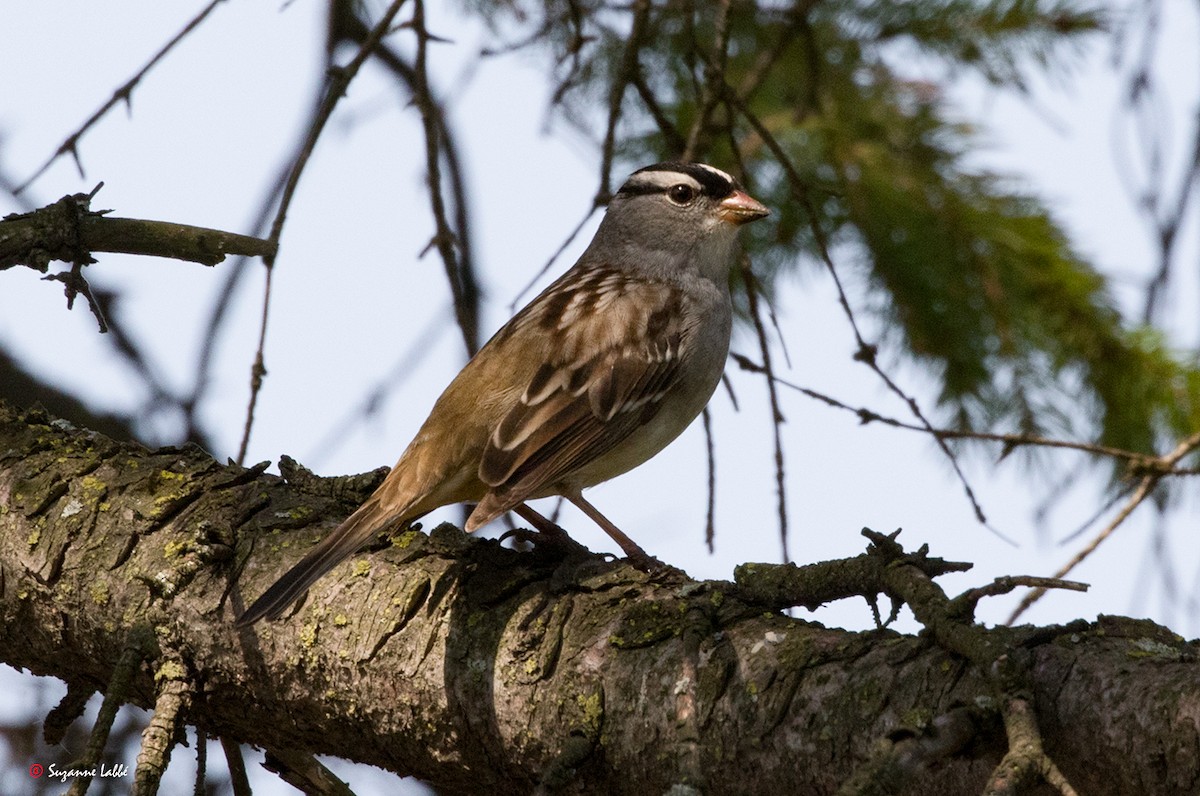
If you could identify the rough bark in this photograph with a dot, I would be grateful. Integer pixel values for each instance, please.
(483, 670)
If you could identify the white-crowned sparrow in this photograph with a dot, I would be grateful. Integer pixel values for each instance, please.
(596, 375)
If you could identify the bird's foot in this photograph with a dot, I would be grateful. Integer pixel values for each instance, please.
(558, 542)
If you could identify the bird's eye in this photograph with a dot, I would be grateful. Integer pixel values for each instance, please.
(681, 194)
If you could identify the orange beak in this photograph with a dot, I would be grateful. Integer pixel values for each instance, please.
(741, 208)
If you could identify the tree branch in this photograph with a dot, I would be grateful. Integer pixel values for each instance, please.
(486, 670)
(70, 231)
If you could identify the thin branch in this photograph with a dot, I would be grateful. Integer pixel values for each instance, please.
(338, 81)
(800, 190)
(258, 370)
(628, 68)
(777, 418)
(219, 311)
(710, 514)
(70, 231)
(1149, 481)
(1144, 109)
(135, 651)
(201, 763)
(1113, 499)
(74, 284)
(1168, 228)
(596, 205)
(1006, 584)
(422, 346)
(175, 695)
(165, 239)
(673, 140)
(1010, 676)
(304, 772)
(462, 282)
(766, 60)
(866, 353)
(714, 78)
(238, 779)
(122, 94)
(1010, 441)
(453, 241)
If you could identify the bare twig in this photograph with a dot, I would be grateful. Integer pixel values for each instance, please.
(304, 772)
(1144, 109)
(422, 345)
(777, 418)
(1010, 441)
(1150, 480)
(1167, 229)
(453, 241)
(766, 60)
(237, 767)
(673, 140)
(122, 94)
(137, 646)
(629, 67)
(165, 239)
(219, 311)
(175, 693)
(462, 281)
(1116, 497)
(70, 231)
(950, 625)
(596, 205)
(73, 285)
(339, 79)
(201, 763)
(710, 514)
(1006, 584)
(258, 370)
(714, 78)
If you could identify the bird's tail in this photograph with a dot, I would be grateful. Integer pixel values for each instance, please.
(335, 548)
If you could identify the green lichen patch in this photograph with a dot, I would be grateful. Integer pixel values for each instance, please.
(170, 670)
(1153, 648)
(99, 592)
(591, 707)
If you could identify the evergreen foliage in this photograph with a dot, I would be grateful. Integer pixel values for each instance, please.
(978, 280)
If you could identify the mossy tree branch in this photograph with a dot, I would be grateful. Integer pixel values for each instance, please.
(482, 669)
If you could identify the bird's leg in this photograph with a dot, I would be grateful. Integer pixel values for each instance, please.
(636, 555)
(539, 523)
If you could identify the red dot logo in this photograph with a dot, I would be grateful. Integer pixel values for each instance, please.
(35, 770)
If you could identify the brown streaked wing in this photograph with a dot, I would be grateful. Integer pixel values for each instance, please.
(574, 412)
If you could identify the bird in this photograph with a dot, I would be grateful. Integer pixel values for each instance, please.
(597, 374)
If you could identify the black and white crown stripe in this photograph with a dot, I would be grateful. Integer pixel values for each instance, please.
(661, 176)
